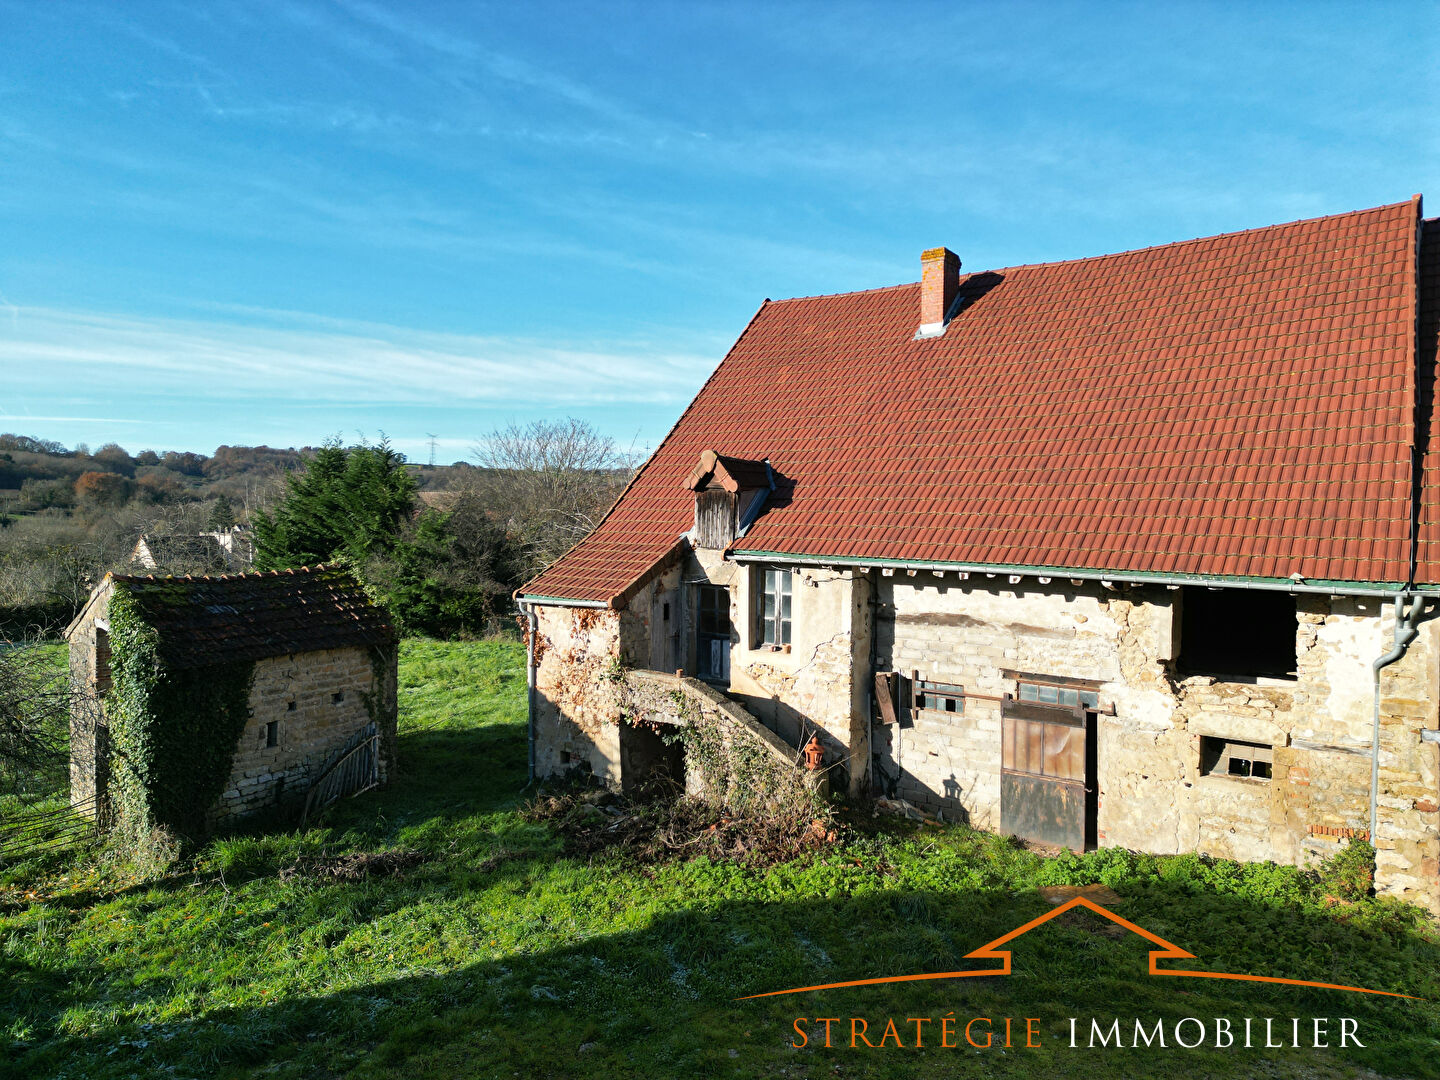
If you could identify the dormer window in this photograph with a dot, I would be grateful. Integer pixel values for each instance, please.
(729, 495)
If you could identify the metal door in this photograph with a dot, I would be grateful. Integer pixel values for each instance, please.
(1046, 773)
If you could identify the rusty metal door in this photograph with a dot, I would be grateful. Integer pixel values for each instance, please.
(1046, 773)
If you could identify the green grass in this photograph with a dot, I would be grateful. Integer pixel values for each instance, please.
(499, 956)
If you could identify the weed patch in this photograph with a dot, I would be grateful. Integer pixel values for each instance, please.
(353, 866)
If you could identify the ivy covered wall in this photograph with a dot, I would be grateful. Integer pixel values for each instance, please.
(173, 733)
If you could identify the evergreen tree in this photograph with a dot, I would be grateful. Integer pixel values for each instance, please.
(222, 516)
(349, 502)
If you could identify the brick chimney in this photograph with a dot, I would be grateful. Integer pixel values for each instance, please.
(939, 282)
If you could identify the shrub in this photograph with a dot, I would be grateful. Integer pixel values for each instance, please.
(1350, 872)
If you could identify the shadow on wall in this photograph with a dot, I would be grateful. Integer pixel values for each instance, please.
(795, 728)
(894, 781)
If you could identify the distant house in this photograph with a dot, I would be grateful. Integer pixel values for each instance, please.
(222, 550)
(1140, 550)
(323, 680)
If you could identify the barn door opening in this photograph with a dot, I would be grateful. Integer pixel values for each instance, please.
(649, 765)
(1047, 773)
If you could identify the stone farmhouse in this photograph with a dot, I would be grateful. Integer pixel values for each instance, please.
(1140, 550)
(229, 549)
(323, 679)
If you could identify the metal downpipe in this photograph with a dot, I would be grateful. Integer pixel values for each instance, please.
(1405, 633)
(532, 625)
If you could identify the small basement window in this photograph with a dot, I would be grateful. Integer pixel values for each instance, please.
(939, 697)
(775, 608)
(1237, 632)
(272, 733)
(1228, 757)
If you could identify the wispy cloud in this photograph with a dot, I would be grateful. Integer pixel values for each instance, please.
(498, 65)
(7, 417)
(300, 358)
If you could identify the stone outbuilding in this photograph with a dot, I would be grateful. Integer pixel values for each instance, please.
(1140, 550)
(219, 550)
(317, 656)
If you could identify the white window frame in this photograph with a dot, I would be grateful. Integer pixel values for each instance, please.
(775, 607)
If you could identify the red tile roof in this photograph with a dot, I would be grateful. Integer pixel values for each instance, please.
(1427, 560)
(1238, 406)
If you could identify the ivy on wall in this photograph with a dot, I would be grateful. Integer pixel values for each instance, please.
(737, 771)
(173, 733)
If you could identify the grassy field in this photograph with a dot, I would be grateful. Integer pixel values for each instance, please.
(500, 956)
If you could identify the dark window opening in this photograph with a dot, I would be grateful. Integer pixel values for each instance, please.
(337, 697)
(939, 697)
(102, 661)
(1228, 757)
(1238, 632)
(272, 733)
(1051, 694)
(775, 608)
(712, 639)
(290, 707)
(666, 616)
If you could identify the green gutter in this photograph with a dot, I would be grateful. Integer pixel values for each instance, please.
(1379, 588)
(561, 601)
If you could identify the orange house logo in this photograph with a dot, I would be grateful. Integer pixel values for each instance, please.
(994, 950)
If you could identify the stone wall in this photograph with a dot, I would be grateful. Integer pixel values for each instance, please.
(1152, 795)
(815, 687)
(986, 633)
(299, 694)
(89, 735)
(586, 690)
(578, 652)
(774, 778)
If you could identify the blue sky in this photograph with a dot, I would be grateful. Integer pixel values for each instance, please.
(270, 222)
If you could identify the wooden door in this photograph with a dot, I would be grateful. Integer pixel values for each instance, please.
(1047, 773)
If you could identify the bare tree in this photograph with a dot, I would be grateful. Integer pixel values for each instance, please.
(35, 704)
(552, 481)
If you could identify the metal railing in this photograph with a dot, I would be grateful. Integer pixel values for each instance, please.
(355, 768)
(41, 832)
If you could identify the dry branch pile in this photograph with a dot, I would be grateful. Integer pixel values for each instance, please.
(594, 821)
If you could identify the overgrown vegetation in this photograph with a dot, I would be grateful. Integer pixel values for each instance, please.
(442, 546)
(494, 953)
(665, 825)
(172, 734)
(437, 572)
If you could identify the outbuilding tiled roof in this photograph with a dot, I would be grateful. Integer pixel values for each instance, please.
(1239, 407)
(229, 617)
